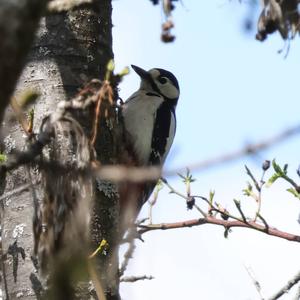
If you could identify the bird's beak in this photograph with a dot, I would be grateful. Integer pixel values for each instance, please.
(141, 72)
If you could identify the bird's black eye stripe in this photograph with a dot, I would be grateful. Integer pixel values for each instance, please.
(162, 79)
(169, 75)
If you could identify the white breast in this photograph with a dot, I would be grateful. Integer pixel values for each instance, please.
(139, 116)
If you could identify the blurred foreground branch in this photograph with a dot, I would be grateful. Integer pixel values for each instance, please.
(250, 149)
(119, 173)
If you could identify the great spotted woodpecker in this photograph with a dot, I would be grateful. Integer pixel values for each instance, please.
(150, 123)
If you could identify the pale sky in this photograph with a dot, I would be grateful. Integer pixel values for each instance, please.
(234, 90)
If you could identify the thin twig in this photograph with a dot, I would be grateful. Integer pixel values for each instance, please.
(135, 278)
(200, 210)
(187, 198)
(255, 281)
(261, 184)
(249, 173)
(105, 94)
(152, 201)
(127, 256)
(173, 190)
(150, 210)
(96, 121)
(291, 181)
(239, 208)
(264, 221)
(286, 287)
(218, 210)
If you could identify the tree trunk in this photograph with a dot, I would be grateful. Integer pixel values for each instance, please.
(70, 49)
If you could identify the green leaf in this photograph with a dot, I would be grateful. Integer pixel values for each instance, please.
(277, 168)
(226, 232)
(181, 176)
(110, 65)
(248, 191)
(101, 249)
(211, 196)
(109, 69)
(188, 178)
(272, 179)
(191, 179)
(237, 202)
(124, 72)
(294, 192)
(250, 187)
(285, 168)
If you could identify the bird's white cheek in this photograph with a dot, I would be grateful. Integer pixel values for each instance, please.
(170, 91)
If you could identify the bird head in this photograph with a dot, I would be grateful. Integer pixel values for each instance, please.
(159, 81)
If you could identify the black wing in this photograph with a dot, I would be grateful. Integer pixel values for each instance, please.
(160, 135)
(161, 132)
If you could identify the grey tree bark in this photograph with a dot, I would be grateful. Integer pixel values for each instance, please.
(70, 48)
(18, 23)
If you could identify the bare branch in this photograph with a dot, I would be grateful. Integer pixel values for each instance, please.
(225, 223)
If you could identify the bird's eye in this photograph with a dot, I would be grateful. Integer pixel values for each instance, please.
(162, 80)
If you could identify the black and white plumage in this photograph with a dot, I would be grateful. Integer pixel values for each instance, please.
(150, 120)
